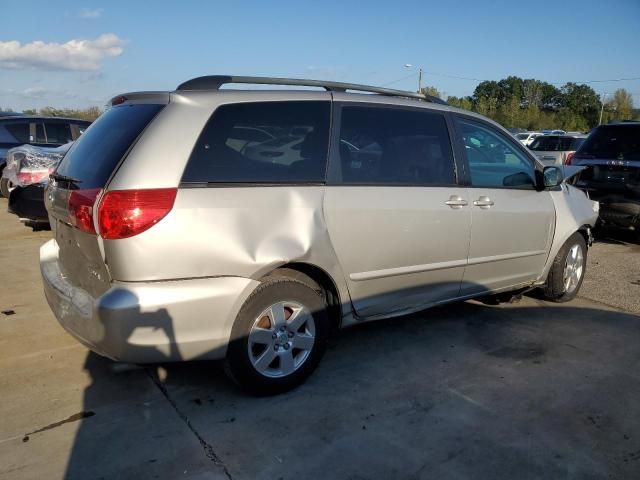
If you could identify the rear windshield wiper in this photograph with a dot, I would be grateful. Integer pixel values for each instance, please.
(63, 178)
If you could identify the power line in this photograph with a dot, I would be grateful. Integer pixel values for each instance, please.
(459, 77)
(412, 74)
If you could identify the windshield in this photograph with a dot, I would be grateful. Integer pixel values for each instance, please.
(522, 136)
(551, 143)
(620, 142)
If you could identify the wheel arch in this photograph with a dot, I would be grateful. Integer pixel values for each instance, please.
(316, 277)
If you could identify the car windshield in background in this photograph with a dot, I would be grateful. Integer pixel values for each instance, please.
(551, 143)
(522, 136)
(620, 142)
(96, 154)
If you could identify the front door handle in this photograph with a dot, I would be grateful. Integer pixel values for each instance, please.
(483, 202)
(456, 202)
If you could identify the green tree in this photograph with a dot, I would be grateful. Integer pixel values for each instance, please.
(431, 91)
(461, 102)
(90, 113)
(488, 89)
(622, 104)
(512, 87)
(580, 100)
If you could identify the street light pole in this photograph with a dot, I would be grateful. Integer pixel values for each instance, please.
(420, 73)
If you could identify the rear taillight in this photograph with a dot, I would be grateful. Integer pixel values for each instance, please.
(125, 213)
(29, 177)
(81, 208)
(569, 158)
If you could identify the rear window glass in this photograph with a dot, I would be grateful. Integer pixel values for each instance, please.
(266, 142)
(548, 143)
(19, 131)
(620, 142)
(97, 152)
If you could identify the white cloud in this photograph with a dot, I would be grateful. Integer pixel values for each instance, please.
(38, 93)
(84, 55)
(33, 92)
(91, 13)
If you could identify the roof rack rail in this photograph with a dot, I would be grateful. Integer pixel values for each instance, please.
(214, 82)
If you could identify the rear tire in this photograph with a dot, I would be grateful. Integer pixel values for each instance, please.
(5, 188)
(568, 270)
(278, 338)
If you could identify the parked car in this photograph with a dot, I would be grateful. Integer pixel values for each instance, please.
(16, 130)
(176, 246)
(556, 149)
(613, 154)
(527, 137)
(26, 174)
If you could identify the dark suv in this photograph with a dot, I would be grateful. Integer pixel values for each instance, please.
(613, 153)
(16, 130)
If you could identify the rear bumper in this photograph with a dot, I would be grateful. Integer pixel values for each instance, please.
(147, 322)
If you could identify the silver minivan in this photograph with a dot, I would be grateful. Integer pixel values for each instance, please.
(246, 225)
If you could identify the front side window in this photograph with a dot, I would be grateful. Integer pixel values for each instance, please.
(265, 142)
(387, 146)
(494, 162)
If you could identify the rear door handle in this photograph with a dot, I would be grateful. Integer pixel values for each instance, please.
(483, 202)
(456, 202)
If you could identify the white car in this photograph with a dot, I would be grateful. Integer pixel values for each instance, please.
(527, 137)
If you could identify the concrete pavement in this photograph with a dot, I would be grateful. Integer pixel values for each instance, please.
(523, 390)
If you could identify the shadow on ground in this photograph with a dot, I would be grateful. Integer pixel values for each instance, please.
(529, 390)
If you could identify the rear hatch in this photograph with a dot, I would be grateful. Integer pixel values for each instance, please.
(613, 153)
(554, 149)
(78, 184)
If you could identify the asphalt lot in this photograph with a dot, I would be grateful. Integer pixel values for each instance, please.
(516, 391)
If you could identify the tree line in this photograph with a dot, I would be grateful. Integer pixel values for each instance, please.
(89, 113)
(534, 104)
(513, 102)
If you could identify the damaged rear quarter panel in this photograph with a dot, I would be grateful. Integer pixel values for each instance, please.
(230, 231)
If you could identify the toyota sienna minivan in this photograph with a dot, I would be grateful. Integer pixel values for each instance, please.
(245, 225)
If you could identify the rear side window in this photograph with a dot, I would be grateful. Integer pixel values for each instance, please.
(58, 133)
(40, 136)
(620, 142)
(19, 131)
(95, 155)
(266, 142)
(387, 146)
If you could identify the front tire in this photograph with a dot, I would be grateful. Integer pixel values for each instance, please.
(568, 269)
(278, 338)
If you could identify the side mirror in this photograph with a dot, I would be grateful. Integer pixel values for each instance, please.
(552, 176)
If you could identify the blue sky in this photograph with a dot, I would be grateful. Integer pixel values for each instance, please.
(90, 51)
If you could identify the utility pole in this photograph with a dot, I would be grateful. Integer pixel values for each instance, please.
(604, 95)
(420, 73)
